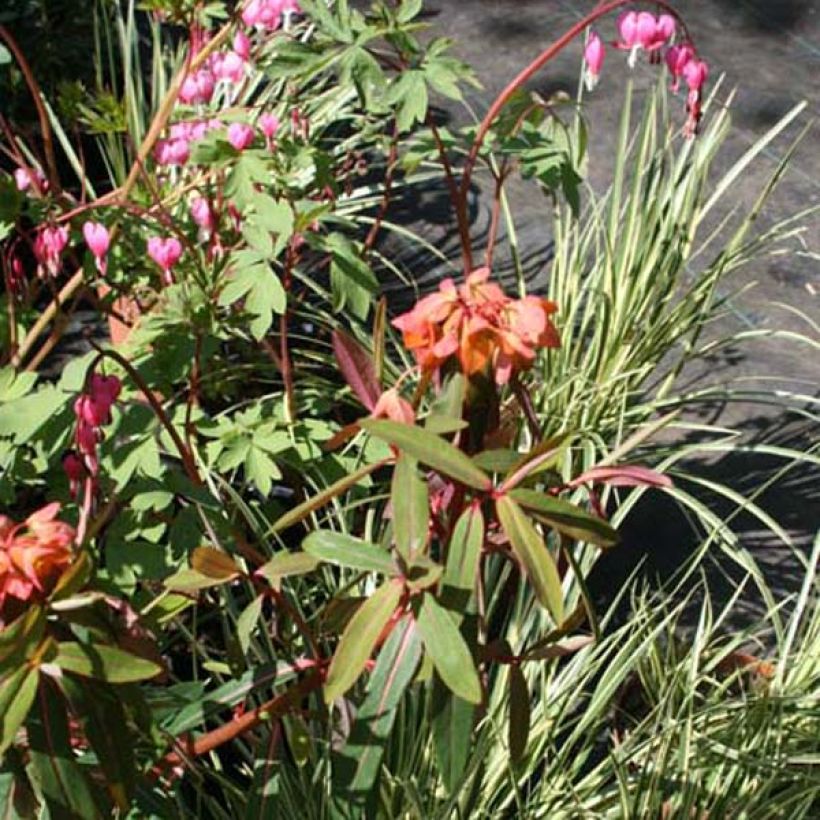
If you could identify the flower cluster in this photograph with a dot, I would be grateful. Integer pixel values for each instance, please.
(92, 410)
(33, 554)
(49, 245)
(269, 15)
(644, 32)
(480, 325)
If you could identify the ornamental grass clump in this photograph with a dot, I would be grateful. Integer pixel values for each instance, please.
(293, 554)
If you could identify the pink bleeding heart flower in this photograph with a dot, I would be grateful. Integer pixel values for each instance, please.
(166, 252)
(198, 88)
(637, 31)
(230, 68)
(75, 472)
(98, 240)
(676, 59)
(25, 178)
(594, 54)
(172, 152)
(695, 72)
(269, 125)
(664, 31)
(240, 135)
(49, 246)
(203, 216)
(242, 45)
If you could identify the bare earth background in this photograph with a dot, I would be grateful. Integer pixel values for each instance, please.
(769, 51)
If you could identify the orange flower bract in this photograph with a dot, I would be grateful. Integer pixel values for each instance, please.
(481, 325)
(33, 554)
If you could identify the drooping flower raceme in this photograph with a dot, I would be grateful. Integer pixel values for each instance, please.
(480, 326)
(33, 554)
(92, 410)
(98, 240)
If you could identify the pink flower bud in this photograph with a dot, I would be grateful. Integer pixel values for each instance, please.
(240, 135)
(166, 253)
(22, 178)
(269, 123)
(594, 54)
(252, 13)
(74, 470)
(98, 240)
(203, 216)
(242, 45)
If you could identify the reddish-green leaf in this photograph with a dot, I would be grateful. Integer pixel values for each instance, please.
(107, 663)
(542, 457)
(429, 449)
(359, 639)
(519, 727)
(357, 368)
(347, 551)
(450, 654)
(533, 554)
(411, 509)
(567, 518)
(214, 563)
(313, 503)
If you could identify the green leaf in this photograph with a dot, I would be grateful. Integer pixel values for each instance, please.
(533, 554)
(352, 281)
(104, 722)
(17, 692)
(53, 765)
(463, 556)
(106, 663)
(357, 766)
(411, 508)
(429, 449)
(287, 564)
(450, 654)
(567, 518)
(19, 638)
(359, 639)
(409, 93)
(453, 719)
(519, 726)
(347, 551)
(313, 503)
(246, 622)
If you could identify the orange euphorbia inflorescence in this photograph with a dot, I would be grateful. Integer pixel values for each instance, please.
(481, 325)
(33, 554)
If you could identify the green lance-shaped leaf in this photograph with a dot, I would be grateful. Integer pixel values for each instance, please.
(100, 711)
(429, 449)
(359, 639)
(453, 719)
(450, 654)
(411, 508)
(17, 693)
(313, 503)
(567, 518)
(464, 550)
(519, 726)
(53, 766)
(357, 764)
(347, 551)
(533, 554)
(286, 565)
(106, 663)
(20, 637)
(246, 622)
